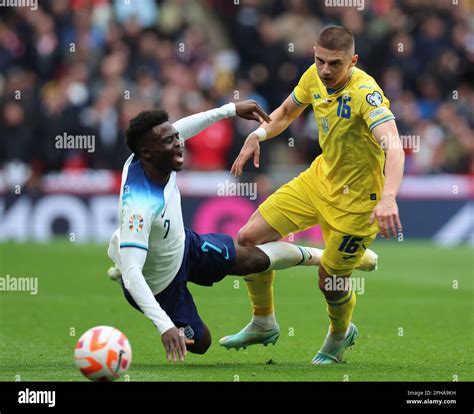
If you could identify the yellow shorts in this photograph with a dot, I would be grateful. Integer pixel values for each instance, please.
(296, 206)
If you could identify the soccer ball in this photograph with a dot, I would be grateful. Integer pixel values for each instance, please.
(103, 353)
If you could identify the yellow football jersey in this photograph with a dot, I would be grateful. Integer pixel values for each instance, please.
(349, 172)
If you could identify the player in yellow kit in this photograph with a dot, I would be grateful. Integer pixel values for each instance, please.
(349, 190)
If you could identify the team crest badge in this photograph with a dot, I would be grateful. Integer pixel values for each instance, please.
(374, 98)
(325, 124)
(135, 223)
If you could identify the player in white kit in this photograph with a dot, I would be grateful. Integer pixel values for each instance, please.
(153, 251)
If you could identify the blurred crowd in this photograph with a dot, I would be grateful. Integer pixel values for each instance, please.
(85, 67)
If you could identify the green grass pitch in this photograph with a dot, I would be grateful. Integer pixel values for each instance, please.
(414, 324)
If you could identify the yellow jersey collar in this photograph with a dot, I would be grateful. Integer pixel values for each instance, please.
(331, 91)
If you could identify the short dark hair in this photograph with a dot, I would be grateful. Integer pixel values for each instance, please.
(337, 38)
(141, 125)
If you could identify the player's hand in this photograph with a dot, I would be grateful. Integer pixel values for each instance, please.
(386, 214)
(251, 148)
(175, 343)
(250, 109)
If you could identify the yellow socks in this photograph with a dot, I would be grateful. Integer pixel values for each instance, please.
(340, 312)
(260, 288)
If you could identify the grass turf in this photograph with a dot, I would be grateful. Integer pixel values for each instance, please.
(414, 325)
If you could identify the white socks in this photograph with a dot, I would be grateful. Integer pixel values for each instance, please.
(266, 323)
(284, 255)
(261, 324)
(333, 341)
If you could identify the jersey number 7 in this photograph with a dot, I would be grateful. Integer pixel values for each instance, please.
(167, 225)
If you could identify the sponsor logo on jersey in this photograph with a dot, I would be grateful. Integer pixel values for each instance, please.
(163, 212)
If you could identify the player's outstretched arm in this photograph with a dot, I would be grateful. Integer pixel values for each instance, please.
(283, 116)
(192, 125)
(386, 211)
(172, 338)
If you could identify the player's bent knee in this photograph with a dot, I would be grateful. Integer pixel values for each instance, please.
(200, 347)
(330, 286)
(249, 260)
(322, 278)
(244, 238)
(259, 261)
(324, 281)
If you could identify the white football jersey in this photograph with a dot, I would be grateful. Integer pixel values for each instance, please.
(148, 247)
(150, 219)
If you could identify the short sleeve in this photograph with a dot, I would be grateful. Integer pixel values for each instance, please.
(301, 94)
(375, 107)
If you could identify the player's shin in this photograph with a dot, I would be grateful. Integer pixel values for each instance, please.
(284, 255)
(263, 328)
(260, 289)
(340, 312)
(260, 285)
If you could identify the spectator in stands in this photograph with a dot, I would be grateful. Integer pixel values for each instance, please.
(85, 66)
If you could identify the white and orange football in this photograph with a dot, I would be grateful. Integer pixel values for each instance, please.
(103, 353)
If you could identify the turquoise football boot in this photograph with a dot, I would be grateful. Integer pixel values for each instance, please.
(331, 352)
(244, 339)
